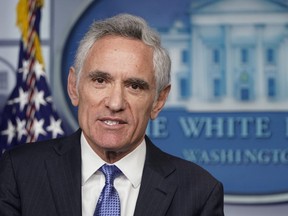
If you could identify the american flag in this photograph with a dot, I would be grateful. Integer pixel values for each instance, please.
(29, 114)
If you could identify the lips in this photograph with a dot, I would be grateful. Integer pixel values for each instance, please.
(112, 121)
(109, 122)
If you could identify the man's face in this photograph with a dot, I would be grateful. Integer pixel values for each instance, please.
(116, 95)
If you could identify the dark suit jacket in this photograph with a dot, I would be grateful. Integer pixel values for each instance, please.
(45, 179)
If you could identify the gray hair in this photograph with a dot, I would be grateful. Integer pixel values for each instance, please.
(130, 26)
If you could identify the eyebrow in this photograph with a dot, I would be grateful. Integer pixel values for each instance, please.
(96, 74)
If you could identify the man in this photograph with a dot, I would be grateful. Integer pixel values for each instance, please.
(120, 80)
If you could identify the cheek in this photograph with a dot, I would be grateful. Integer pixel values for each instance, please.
(88, 95)
(142, 109)
(87, 115)
(86, 106)
(83, 114)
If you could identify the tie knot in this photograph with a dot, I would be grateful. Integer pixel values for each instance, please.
(110, 172)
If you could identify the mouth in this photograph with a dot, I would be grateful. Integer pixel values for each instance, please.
(112, 122)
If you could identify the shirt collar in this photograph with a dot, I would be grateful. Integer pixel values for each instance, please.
(131, 165)
(91, 162)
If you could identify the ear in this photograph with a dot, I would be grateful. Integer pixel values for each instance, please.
(160, 102)
(72, 87)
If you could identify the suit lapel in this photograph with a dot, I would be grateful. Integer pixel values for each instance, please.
(158, 183)
(64, 173)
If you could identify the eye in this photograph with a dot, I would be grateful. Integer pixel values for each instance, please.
(136, 86)
(99, 80)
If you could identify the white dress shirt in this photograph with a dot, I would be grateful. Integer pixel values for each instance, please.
(127, 184)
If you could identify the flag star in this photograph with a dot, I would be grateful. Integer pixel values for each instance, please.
(22, 99)
(39, 99)
(38, 128)
(55, 127)
(11, 102)
(49, 99)
(39, 70)
(10, 132)
(21, 130)
(24, 69)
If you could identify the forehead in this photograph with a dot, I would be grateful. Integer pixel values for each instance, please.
(112, 53)
(119, 43)
(119, 38)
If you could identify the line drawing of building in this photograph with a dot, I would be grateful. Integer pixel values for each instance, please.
(232, 56)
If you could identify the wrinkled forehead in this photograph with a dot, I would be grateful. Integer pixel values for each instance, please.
(120, 54)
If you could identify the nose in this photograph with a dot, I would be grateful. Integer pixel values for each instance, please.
(116, 99)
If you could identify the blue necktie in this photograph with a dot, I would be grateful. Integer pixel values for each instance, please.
(109, 202)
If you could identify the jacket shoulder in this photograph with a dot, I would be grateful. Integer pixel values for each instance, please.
(186, 170)
(42, 150)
